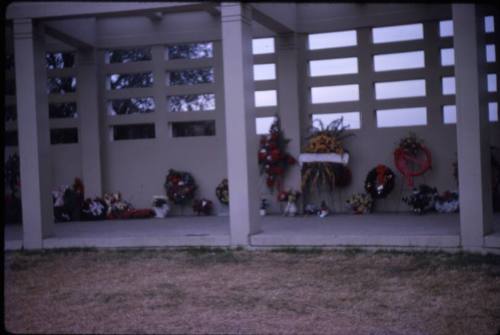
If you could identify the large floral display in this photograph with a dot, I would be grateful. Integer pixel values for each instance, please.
(325, 158)
(274, 161)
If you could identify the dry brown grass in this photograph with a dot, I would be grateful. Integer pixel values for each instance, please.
(286, 292)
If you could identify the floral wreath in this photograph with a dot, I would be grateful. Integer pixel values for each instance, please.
(412, 158)
(222, 192)
(180, 186)
(273, 160)
(380, 182)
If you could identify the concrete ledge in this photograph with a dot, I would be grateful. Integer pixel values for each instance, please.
(444, 241)
(492, 241)
(174, 241)
(13, 245)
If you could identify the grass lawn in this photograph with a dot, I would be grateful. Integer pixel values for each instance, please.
(206, 291)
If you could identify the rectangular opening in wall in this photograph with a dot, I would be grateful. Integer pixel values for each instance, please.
(331, 67)
(337, 39)
(190, 77)
(492, 82)
(10, 113)
(400, 89)
(449, 114)
(350, 120)
(262, 46)
(489, 24)
(263, 124)
(399, 61)
(336, 93)
(447, 57)
(491, 56)
(59, 60)
(61, 85)
(406, 32)
(133, 131)
(10, 138)
(193, 128)
(448, 85)
(401, 117)
(191, 102)
(127, 55)
(264, 71)
(62, 110)
(266, 98)
(64, 135)
(446, 28)
(131, 106)
(120, 81)
(189, 51)
(493, 111)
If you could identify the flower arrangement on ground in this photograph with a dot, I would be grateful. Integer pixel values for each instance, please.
(273, 158)
(447, 202)
(324, 210)
(412, 158)
(94, 209)
(327, 139)
(264, 204)
(222, 192)
(202, 206)
(68, 201)
(360, 203)
(117, 208)
(290, 197)
(180, 187)
(422, 199)
(380, 182)
(160, 206)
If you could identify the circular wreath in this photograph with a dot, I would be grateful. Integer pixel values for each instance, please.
(222, 192)
(180, 186)
(379, 182)
(412, 158)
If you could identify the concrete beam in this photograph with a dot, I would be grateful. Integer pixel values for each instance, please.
(289, 103)
(67, 38)
(33, 130)
(241, 141)
(280, 18)
(47, 10)
(474, 167)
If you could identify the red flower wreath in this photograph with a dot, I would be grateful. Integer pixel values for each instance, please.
(412, 158)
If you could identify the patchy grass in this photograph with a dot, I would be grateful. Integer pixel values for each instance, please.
(211, 290)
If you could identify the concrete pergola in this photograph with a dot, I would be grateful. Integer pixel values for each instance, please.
(33, 21)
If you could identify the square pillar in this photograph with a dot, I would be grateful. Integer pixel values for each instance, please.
(474, 167)
(90, 137)
(241, 141)
(33, 130)
(288, 101)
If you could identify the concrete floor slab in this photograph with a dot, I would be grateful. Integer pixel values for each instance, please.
(384, 230)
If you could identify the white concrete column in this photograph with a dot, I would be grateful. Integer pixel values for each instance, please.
(33, 130)
(288, 101)
(88, 111)
(241, 141)
(476, 214)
